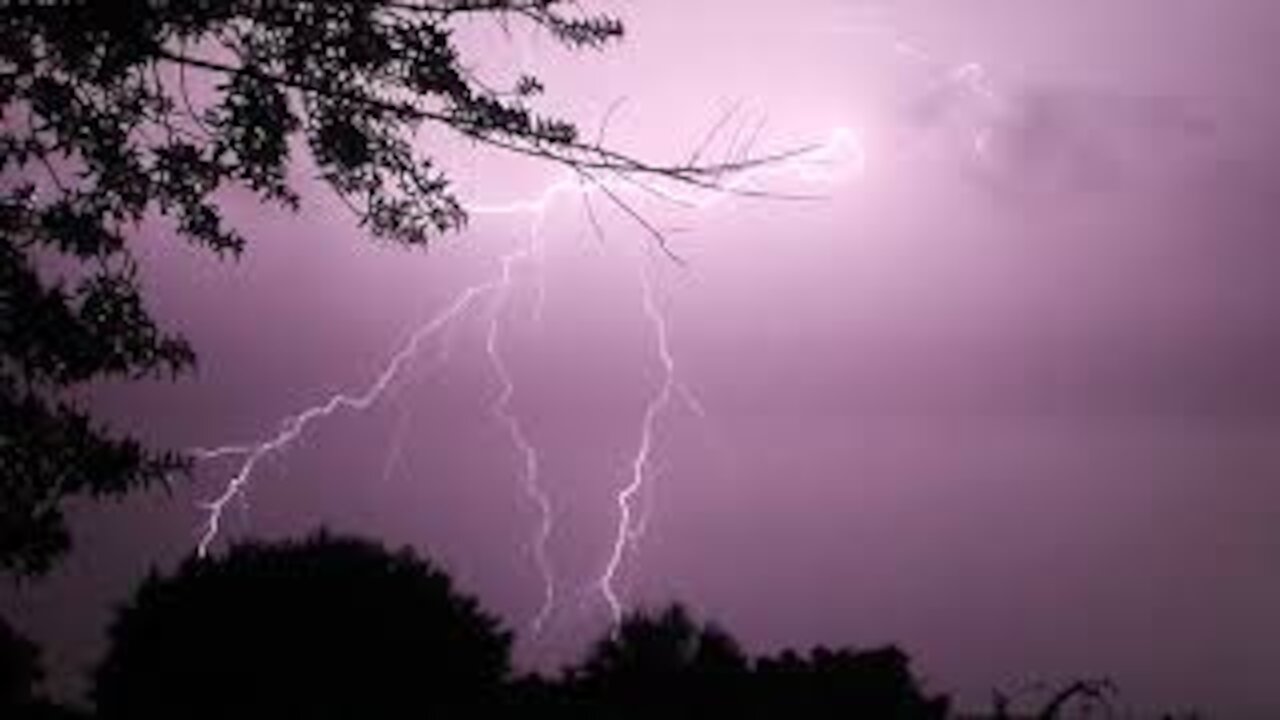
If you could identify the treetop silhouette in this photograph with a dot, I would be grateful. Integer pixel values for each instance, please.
(338, 627)
(666, 664)
(20, 670)
(325, 627)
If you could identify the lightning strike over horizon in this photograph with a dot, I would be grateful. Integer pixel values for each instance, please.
(782, 320)
(841, 155)
(815, 167)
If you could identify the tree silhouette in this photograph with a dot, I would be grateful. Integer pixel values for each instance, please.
(843, 683)
(21, 674)
(664, 664)
(20, 671)
(112, 113)
(668, 665)
(326, 627)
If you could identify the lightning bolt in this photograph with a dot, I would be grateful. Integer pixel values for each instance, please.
(839, 157)
(294, 426)
(251, 455)
(627, 530)
(842, 154)
(816, 166)
(501, 409)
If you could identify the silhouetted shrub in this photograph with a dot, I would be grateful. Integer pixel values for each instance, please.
(842, 684)
(323, 628)
(669, 666)
(662, 665)
(20, 676)
(20, 670)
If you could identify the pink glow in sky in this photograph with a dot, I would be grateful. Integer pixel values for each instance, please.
(1008, 396)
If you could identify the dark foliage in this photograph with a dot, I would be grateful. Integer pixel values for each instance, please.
(115, 112)
(20, 671)
(341, 628)
(667, 665)
(661, 665)
(323, 628)
(842, 684)
(21, 674)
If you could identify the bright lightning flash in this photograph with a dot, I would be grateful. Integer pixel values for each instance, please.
(840, 156)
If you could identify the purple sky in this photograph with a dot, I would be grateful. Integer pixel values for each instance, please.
(1016, 411)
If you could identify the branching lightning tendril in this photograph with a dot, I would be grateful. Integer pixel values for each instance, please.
(294, 426)
(627, 529)
(501, 409)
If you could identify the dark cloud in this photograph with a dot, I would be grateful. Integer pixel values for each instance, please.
(1031, 141)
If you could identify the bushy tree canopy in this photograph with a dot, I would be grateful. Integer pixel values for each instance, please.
(20, 670)
(321, 628)
(663, 664)
(669, 665)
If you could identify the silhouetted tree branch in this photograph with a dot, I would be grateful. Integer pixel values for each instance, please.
(1098, 691)
(1091, 691)
(101, 130)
